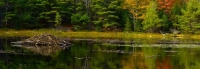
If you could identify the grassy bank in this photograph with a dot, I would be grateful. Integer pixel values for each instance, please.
(130, 35)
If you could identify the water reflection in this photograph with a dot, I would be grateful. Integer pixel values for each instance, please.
(105, 54)
(134, 61)
(43, 50)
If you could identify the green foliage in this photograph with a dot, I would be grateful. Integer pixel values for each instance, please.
(99, 15)
(80, 19)
(20, 14)
(190, 20)
(33, 14)
(1, 3)
(128, 23)
(176, 12)
(83, 15)
(166, 24)
(105, 14)
(151, 21)
(58, 19)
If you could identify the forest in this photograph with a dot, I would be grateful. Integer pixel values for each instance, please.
(154, 16)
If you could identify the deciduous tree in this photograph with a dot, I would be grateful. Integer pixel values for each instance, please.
(165, 5)
(137, 8)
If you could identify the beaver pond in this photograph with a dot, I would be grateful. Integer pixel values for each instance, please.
(171, 53)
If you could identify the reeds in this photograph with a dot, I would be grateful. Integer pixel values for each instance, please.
(113, 35)
(123, 35)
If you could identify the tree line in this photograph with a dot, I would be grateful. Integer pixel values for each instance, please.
(102, 15)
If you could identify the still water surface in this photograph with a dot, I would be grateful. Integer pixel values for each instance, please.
(103, 54)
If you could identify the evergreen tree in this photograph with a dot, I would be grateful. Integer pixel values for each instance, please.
(166, 23)
(20, 14)
(65, 9)
(58, 19)
(99, 14)
(2, 11)
(1, 3)
(127, 20)
(80, 18)
(113, 8)
(176, 12)
(46, 13)
(52, 12)
(190, 19)
(105, 14)
(151, 21)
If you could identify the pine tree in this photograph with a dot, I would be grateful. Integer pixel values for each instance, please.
(105, 14)
(176, 11)
(2, 8)
(20, 14)
(2, 3)
(58, 19)
(127, 20)
(80, 18)
(113, 8)
(99, 14)
(151, 21)
(190, 19)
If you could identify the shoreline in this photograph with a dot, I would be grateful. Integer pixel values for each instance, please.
(92, 34)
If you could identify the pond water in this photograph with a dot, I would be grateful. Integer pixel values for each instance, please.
(104, 54)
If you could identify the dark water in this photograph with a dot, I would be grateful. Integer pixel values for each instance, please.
(103, 54)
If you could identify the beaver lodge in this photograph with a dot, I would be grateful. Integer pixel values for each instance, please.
(43, 40)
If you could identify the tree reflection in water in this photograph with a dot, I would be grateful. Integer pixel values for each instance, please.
(91, 55)
(43, 50)
(134, 61)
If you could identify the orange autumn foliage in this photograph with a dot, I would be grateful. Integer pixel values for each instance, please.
(134, 61)
(163, 64)
(136, 7)
(167, 5)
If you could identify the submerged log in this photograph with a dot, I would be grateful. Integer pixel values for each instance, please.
(42, 40)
